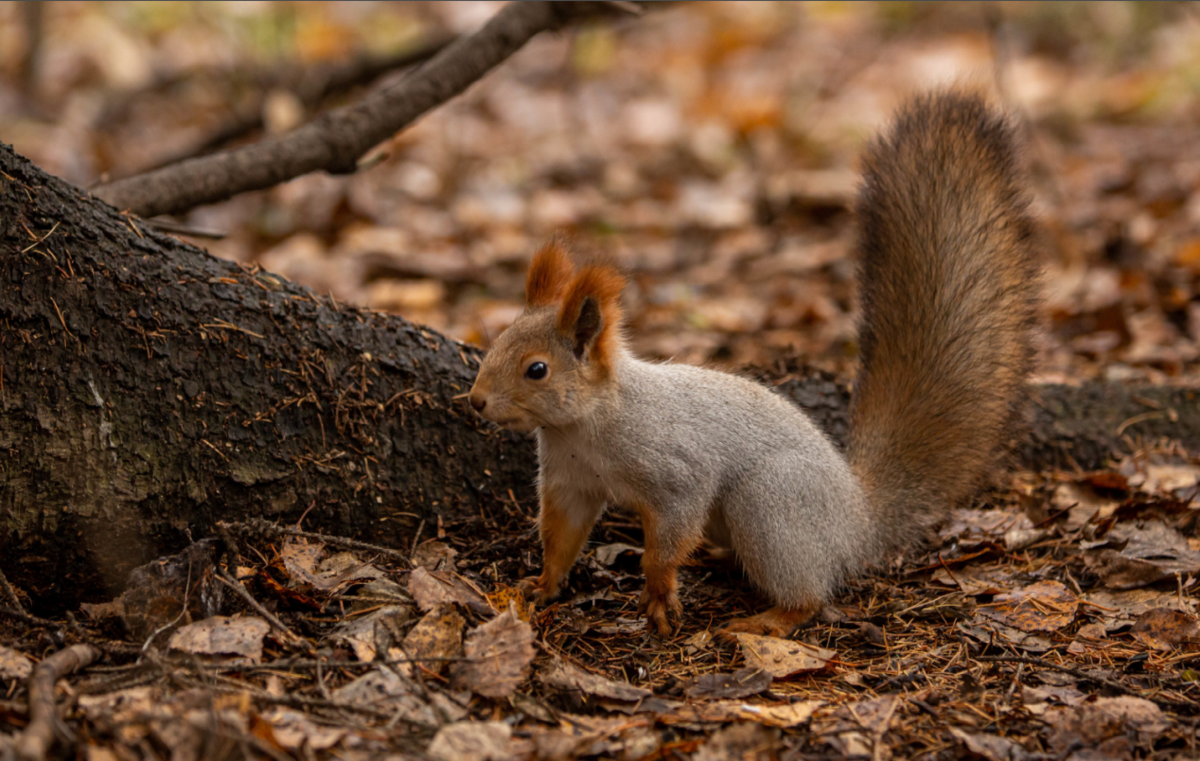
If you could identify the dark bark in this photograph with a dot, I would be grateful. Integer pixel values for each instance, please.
(148, 390)
(336, 140)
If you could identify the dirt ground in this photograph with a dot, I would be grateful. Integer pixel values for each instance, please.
(710, 149)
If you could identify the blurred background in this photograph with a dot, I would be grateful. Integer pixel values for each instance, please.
(710, 147)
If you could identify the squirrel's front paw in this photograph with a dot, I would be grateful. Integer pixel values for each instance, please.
(659, 608)
(538, 589)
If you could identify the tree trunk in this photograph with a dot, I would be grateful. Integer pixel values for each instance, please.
(148, 390)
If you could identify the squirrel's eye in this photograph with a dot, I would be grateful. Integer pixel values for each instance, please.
(536, 371)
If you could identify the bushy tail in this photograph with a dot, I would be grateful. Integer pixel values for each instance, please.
(948, 291)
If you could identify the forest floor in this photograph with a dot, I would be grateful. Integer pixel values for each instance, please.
(710, 150)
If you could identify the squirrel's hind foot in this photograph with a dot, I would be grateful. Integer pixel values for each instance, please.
(660, 606)
(776, 622)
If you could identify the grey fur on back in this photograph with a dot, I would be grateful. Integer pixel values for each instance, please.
(717, 450)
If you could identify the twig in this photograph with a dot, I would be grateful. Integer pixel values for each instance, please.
(9, 592)
(336, 140)
(39, 736)
(1080, 674)
(290, 636)
(312, 85)
(25, 618)
(257, 524)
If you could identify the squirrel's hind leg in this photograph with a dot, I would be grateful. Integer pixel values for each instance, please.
(776, 622)
(668, 545)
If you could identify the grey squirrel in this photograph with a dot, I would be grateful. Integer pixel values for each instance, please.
(948, 282)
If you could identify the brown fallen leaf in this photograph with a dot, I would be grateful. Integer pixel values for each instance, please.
(990, 747)
(437, 635)
(856, 729)
(782, 658)
(1165, 629)
(293, 730)
(1121, 608)
(472, 741)
(498, 656)
(362, 633)
(14, 666)
(223, 636)
(1153, 551)
(563, 676)
(435, 556)
(1112, 726)
(433, 588)
(504, 596)
(740, 741)
(740, 684)
(1040, 607)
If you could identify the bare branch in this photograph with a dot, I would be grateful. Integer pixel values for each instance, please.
(336, 140)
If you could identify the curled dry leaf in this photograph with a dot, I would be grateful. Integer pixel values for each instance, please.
(856, 729)
(608, 554)
(563, 676)
(433, 588)
(1040, 607)
(301, 558)
(472, 741)
(1165, 629)
(498, 656)
(782, 658)
(504, 597)
(223, 636)
(14, 665)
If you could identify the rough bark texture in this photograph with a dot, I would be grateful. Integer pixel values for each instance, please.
(148, 390)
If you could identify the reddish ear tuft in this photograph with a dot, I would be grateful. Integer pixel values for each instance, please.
(591, 312)
(549, 273)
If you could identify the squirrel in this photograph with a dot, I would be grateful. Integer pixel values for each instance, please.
(947, 284)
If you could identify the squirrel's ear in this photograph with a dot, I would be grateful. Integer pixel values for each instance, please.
(591, 313)
(549, 273)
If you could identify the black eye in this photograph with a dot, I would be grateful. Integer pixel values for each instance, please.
(536, 371)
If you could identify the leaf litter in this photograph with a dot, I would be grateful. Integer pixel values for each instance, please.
(1056, 619)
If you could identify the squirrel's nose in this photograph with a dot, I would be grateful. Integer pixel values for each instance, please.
(478, 402)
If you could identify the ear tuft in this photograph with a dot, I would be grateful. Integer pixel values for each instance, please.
(590, 315)
(549, 273)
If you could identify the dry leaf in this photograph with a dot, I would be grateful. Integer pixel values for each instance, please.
(222, 636)
(607, 554)
(433, 588)
(1040, 607)
(293, 730)
(1165, 629)
(435, 556)
(782, 658)
(740, 684)
(471, 741)
(437, 635)
(1112, 726)
(361, 633)
(740, 741)
(498, 656)
(562, 675)
(990, 747)
(503, 597)
(14, 665)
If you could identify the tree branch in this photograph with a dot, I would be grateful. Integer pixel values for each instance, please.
(336, 140)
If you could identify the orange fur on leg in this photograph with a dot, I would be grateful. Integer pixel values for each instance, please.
(776, 622)
(660, 562)
(562, 539)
